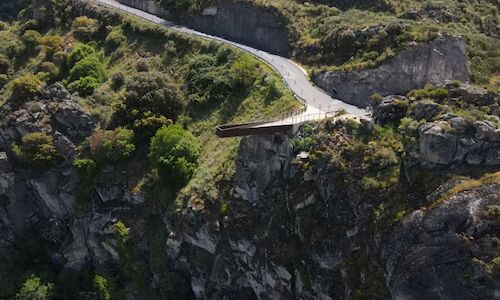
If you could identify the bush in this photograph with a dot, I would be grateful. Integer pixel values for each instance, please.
(244, 71)
(117, 81)
(25, 88)
(52, 44)
(79, 52)
(34, 288)
(115, 39)
(49, 68)
(90, 66)
(84, 27)
(207, 82)
(101, 287)
(36, 150)
(111, 145)
(31, 39)
(174, 153)
(150, 94)
(84, 86)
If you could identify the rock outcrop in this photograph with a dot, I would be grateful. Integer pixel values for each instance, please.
(440, 60)
(237, 21)
(44, 203)
(444, 252)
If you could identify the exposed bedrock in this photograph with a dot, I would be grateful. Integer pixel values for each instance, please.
(241, 22)
(442, 59)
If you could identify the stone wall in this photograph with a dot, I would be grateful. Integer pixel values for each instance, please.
(240, 22)
(443, 59)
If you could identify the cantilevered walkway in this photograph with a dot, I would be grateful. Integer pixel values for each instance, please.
(317, 103)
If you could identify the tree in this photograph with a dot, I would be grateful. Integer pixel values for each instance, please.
(174, 153)
(34, 289)
(84, 27)
(25, 88)
(111, 145)
(36, 149)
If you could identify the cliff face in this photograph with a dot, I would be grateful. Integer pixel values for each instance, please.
(309, 231)
(236, 21)
(443, 59)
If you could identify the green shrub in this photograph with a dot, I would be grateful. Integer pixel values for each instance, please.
(84, 86)
(90, 66)
(244, 71)
(79, 52)
(149, 94)
(101, 287)
(36, 150)
(52, 44)
(174, 153)
(111, 145)
(49, 68)
(207, 82)
(84, 27)
(115, 39)
(34, 288)
(25, 88)
(31, 39)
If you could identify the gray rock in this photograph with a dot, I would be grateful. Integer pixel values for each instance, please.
(443, 59)
(484, 129)
(390, 110)
(492, 156)
(426, 109)
(429, 254)
(73, 121)
(459, 124)
(437, 145)
(56, 92)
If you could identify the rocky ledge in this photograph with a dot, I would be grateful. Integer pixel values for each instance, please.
(442, 59)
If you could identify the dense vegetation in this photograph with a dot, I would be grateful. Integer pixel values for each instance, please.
(151, 91)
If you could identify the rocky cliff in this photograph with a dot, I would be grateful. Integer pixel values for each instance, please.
(324, 214)
(443, 59)
(237, 21)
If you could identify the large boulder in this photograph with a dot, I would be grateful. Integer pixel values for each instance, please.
(437, 144)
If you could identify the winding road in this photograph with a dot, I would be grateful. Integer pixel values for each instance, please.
(316, 100)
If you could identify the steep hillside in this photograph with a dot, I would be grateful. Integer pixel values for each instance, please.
(69, 158)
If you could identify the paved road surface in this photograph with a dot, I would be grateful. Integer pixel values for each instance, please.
(293, 75)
